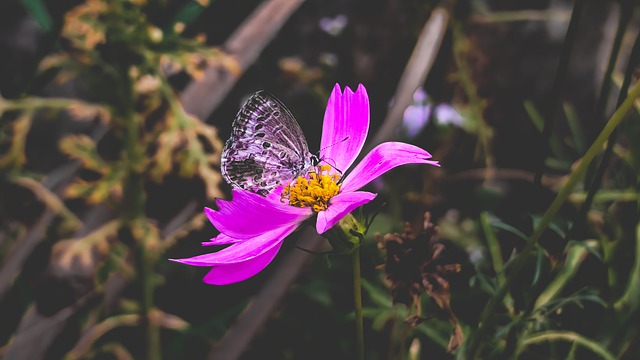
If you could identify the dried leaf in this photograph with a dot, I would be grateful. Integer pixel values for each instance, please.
(83, 111)
(82, 26)
(83, 148)
(162, 161)
(95, 192)
(456, 336)
(229, 62)
(168, 321)
(147, 83)
(15, 155)
(191, 144)
(82, 255)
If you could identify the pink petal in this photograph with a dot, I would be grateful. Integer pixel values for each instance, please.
(232, 273)
(221, 239)
(341, 205)
(381, 159)
(241, 251)
(345, 127)
(249, 215)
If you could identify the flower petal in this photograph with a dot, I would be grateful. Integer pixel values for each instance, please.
(232, 273)
(249, 215)
(341, 205)
(221, 239)
(381, 159)
(241, 251)
(345, 127)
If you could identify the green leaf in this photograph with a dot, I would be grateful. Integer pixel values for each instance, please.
(40, 14)
(379, 297)
(577, 134)
(538, 121)
(575, 257)
(498, 224)
(187, 14)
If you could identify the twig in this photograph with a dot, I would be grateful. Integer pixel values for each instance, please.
(414, 75)
(23, 248)
(245, 45)
(235, 341)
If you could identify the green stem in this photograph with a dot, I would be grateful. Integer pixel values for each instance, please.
(593, 182)
(152, 330)
(558, 84)
(496, 256)
(133, 213)
(570, 337)
(36, 103)
(470, 90)
(357, 301)
(557, 203)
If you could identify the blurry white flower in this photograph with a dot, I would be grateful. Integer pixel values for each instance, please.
(417, 115)
(446, 114)
(333, 25)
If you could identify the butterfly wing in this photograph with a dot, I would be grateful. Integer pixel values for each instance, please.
(266, 148)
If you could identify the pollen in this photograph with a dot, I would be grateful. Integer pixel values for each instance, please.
(315, 190)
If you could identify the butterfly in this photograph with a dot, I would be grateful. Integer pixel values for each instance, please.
(266, 148)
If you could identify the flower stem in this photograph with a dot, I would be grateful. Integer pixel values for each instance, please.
(152, 330)
(357, 301)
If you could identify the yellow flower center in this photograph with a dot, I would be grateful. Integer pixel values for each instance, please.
(313, 191)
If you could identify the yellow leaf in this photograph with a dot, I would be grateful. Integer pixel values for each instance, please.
(83, 148)
(15, 156)
(84, 254)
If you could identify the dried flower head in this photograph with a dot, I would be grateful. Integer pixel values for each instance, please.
(414, 265)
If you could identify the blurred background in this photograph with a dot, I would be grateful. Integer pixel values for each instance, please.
(113, 115)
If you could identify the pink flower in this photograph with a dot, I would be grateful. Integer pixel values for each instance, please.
(256, 226)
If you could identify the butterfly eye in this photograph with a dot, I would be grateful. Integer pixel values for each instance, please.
(315, 160)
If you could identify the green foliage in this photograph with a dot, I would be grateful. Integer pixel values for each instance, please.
(40, 13)
(122, 60)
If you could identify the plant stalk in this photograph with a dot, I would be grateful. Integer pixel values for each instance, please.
(357, 301)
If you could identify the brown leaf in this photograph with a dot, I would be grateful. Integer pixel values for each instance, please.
(82, 255)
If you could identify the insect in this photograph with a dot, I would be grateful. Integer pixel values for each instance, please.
(266, 148)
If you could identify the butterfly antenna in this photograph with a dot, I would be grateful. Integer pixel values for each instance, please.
(317, 158)
(335, 143)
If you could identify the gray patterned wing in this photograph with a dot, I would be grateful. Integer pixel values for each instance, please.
(266, 148)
